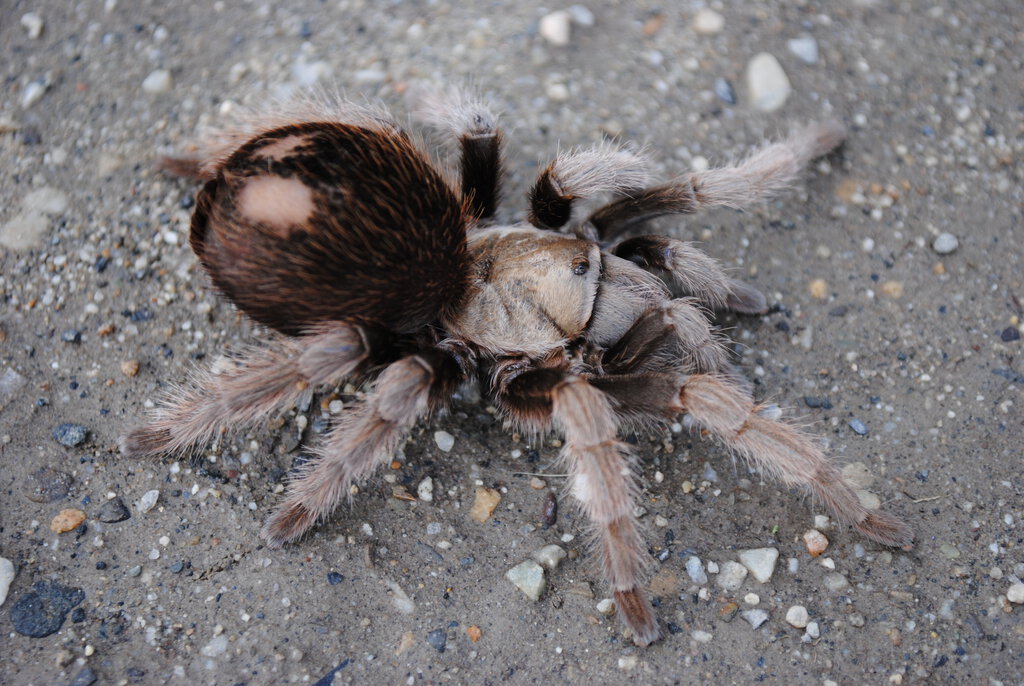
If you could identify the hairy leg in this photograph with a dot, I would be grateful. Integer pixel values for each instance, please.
(266, 380)
(768, 171)
(602, 479)
(579, 176)
(468, 120)
(777, 448)
(365, 437)
(693, 273)
(675, 336)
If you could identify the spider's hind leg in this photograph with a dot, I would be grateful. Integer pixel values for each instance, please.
(468, 121)
(264, 381)
(368, 435)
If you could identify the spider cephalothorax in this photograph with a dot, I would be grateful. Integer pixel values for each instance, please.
(334, 230)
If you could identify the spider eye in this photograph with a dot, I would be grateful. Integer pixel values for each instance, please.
(580, 267)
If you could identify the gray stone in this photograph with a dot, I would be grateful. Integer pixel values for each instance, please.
(42, 611)
(438, 639)
(550, 556)
(732, 575)
(10, 383)
(945, 243)
(755, 617)
(805, 47)
(70, 435)
(528, 577)
(113, 511)
(158, 81)
(696, 570)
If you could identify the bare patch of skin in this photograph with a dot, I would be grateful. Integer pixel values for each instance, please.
(276, 202)
(283, 147)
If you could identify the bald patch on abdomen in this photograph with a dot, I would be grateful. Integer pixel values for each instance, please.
(275, 202)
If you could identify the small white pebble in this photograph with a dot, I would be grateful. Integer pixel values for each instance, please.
(444, 440)
(33, 24)
(606, 606)
(148, 500)
(797, 616)
(628, 662)
(335, 406)
(752, 599)
(425, 490)
(367, 529)
(945, 243)
(701, 636)
(555, 28)
(660, 521)
(158, 81)
(1015, 594)
(708, 22)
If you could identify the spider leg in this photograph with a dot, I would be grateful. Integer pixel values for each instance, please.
(366, 436)
(602, 479)
(692, 272)
(768, 171)
(467, 119)
(269, 380)
(674, 336)
(579, 176)
(776, 447)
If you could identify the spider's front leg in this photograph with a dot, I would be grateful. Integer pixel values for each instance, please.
(601, 472)
(768, 171)
(469, 121)
(264, 381)
(369, 434)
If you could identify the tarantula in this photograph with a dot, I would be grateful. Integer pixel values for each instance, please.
(332, 228)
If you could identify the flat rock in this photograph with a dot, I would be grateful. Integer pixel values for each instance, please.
(7, 573)
(47, 485)
(67, 520)
(113, 511)
(484, 503)
(760, 562)
(755, 617)
(767, 83)
(550, 556)
(42, 611)
(731, 575)
(696, 570)
(10, 383)
(528, 577)
(70, 435)
(804, 47)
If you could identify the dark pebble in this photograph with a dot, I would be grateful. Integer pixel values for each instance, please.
(177, 567)
(187, 202)
(42, 611)
(71, 336)
(78, 615)
(550, 509)
(838, 311)
(306, 30)
(101, 565)
(815, 402)
(674, 628)
(724, 90)
(86, 677)
(1010, 333)
(101, 264)
(135, 674)
(70, 435)
(859, 427)
(113, 511)
(333, 578)
(438, 638)
(47, 485)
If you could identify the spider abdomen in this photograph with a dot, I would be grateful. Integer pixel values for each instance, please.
(323, 221)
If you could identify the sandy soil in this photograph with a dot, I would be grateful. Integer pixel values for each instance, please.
(872, 330)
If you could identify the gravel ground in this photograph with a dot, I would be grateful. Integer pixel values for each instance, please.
(896, 274)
